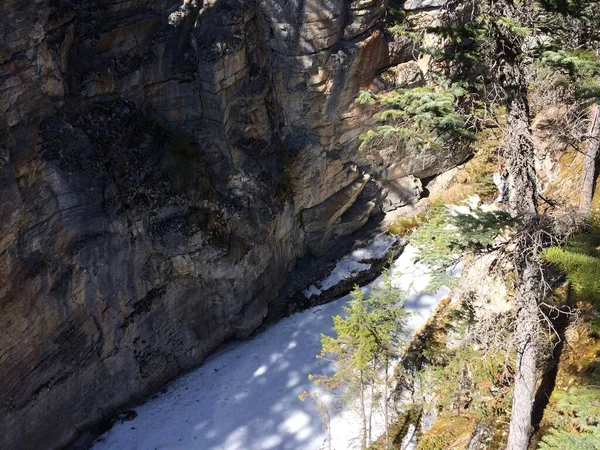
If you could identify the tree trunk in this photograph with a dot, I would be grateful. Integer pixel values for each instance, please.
(371, 407)
(519, 152)
(519, 155)
(363, 412)
(522, 195)
(527, 344)
(589, 163)
(386, 413)
(327, 420)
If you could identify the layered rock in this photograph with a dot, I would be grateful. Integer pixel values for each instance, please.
(163, 164)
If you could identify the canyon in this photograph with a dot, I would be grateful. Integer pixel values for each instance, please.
(163, 167)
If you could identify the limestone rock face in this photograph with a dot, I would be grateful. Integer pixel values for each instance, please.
(401, 192)
(163, 164)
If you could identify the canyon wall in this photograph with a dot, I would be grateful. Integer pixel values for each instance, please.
(162, 167)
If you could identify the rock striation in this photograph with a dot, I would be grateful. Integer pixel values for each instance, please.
(163, 165)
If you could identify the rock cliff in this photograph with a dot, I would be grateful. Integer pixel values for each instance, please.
(162, 167)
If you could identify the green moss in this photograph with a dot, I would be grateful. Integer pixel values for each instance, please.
(404, 225)
(398, 430)
(580, 261)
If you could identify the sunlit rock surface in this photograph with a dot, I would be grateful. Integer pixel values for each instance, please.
(163, 164)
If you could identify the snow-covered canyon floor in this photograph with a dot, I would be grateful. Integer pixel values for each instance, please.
(245, 397)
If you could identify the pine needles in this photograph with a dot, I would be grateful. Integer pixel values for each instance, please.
(424, 117)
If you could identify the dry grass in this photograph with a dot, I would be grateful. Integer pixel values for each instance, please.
(564, 190)
(475, 177)
(580, 360)
(596, 199)
(448, 433)
(404, 225)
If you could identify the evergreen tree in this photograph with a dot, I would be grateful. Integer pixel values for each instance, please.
(366, 342)
(390, 318)
(425, 117)
(353, 349)
(574, 48)
(503, 38)
(452, 231)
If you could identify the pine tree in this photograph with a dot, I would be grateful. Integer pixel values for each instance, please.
(452, 232)
(390, 317)
(502, 39)
(353, 349)
(366, 342)
(425, 117)
(575, 46)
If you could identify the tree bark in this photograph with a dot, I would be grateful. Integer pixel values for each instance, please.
(327, 420)
(527, 350)
(589, 163)
(519, 152)
(386, 413)
(363, 412)
(519, 155)
(371, 407)
(522, 197)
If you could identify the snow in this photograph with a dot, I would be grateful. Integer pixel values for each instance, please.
(410, 440)
(344, 269)
(375, 249)
(245, 397)
(353, 264)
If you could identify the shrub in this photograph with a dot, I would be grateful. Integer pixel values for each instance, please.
(575, 419)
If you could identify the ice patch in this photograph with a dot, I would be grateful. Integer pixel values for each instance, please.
(222, 406)
(376, 249)
(353, 264)
(312, 290)
(344, 269)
